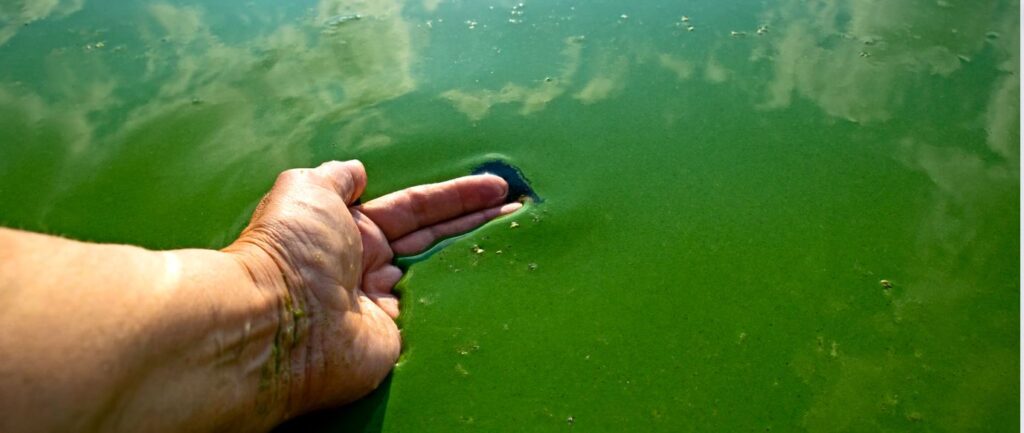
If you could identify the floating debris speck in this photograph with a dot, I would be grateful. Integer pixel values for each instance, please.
(514, 224)
(624, 17)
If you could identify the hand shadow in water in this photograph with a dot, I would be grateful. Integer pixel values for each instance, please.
(365, 415)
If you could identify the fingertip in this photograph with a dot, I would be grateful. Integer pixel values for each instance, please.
(388, 303)
(509, 208)
(382, 280)
(358, 171)
(347, 177)
(356, 165)
(498, 182)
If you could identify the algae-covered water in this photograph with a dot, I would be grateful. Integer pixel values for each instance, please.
(724, 193)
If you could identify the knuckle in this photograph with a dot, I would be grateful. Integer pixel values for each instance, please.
(331, 166)
(419, 199)
(337, 175)
(432, 234)
(290, 175)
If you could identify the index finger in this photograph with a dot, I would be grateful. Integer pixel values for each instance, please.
(403, 212)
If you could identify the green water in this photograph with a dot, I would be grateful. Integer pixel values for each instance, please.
(719, 209)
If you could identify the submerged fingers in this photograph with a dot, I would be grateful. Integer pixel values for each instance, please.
(378, 284)
(381, 280)
(386, 302)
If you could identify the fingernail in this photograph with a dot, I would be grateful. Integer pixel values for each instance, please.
(509, 208)
(504, 183)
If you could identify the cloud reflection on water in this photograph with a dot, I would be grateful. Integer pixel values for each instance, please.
(15, 14)
(190, 92)
(858, 59)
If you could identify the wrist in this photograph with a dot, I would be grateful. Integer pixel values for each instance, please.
(283, 375)
(227, 353)
(262, 267)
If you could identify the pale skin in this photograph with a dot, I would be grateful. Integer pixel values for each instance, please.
(297, 314)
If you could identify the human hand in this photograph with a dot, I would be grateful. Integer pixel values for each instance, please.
(331, 262)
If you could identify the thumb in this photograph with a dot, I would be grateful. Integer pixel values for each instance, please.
(347, 178)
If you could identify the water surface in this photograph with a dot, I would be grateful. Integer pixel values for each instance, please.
(721, 202)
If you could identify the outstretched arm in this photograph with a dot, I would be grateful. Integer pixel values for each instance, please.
(113, 337)
(296, 314)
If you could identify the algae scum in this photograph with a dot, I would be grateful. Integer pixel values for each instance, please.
(726, 186)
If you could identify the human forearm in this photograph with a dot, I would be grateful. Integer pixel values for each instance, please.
(112, 337)
(297, 314)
